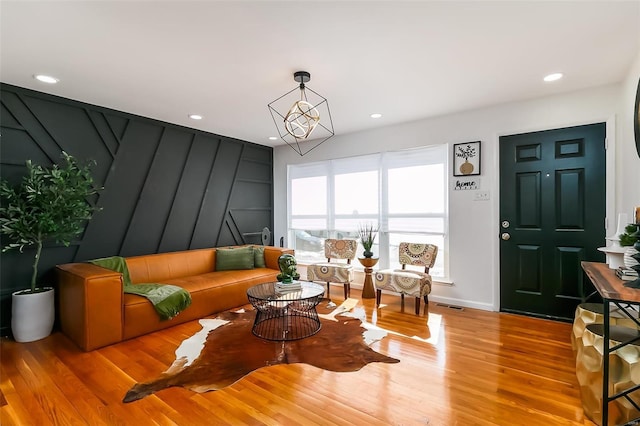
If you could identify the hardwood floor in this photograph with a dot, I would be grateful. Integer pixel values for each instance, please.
(465, 367)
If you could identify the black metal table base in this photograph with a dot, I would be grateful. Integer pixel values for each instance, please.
(284, 316)
(286, 324)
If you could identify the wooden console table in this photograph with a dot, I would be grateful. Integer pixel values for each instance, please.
(612, 291)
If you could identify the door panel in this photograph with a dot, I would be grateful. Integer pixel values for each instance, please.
(567, 274)
(528, 196)
(529, 271)
(552, 193)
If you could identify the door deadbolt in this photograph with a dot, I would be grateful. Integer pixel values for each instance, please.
(505, 224)
(505, 236)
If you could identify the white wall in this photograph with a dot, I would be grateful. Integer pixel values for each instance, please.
(628, 170)
(473, 227)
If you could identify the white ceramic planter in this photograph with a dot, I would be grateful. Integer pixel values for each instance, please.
(32, 315)
(615, 256)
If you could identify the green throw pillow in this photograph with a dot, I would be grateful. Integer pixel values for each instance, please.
(229, 259)
(258, 257)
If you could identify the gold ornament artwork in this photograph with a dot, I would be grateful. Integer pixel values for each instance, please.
(467, 152)
(301, 119)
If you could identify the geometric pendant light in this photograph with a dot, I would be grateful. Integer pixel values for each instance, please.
(304, 120)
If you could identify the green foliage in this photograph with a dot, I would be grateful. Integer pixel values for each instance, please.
(630, 235)
(48, 204)
(367, 234)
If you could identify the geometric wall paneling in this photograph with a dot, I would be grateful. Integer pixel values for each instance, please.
(570, 273)
(570, 198)
(255, 170)
(190, 192)
(81, 140)
(15, 104)
(248, 220)
(117, 123)
(166, 187)
(17, 145)
(249, 194)
(255, 177)
(529, 260)
(257, 153)
(8, 120)
(230, 232)
(529, 203)
(153, 199)
(107, 231)
(213, 210)
(109, 135)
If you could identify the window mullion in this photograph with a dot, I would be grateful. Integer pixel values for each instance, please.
(384, 215)
(331, 201)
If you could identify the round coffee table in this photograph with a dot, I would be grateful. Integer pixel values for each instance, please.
(285, 315)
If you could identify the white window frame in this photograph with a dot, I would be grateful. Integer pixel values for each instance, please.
(435, 154)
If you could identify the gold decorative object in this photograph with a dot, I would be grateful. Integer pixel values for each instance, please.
(624, 372)
(301, 119)
(591, 313)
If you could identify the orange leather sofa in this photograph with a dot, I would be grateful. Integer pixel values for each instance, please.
(94, 311)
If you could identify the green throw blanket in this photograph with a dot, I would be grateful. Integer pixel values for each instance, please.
(168, 300)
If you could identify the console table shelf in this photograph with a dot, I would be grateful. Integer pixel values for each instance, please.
(613, 291)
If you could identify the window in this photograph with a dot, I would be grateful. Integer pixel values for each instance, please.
(404, 193)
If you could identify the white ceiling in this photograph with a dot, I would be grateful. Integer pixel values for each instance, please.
(228, 60)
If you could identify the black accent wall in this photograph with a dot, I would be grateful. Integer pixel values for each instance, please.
(166, 187)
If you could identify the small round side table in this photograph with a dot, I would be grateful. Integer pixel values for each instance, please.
(285, 315)
(368, 292)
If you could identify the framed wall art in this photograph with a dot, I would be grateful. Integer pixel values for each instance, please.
(466, 159)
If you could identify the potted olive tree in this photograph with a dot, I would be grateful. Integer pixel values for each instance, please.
(49, 204)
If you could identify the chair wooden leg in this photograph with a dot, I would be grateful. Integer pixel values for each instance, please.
(426, 301)
(347, 290)
(328, 291)
(378, 296)
(417, 306)
(402, 302)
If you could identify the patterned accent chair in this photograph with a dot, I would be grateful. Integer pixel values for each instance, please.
(340, 270)
(405, 281)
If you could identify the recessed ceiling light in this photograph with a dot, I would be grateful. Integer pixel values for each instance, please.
(195, 116)
(376, 115)
(273, 138)
(46, 78)
(553, 77)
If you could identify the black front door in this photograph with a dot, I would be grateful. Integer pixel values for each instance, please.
(552, 211)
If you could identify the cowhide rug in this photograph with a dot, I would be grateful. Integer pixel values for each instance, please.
(225, 350)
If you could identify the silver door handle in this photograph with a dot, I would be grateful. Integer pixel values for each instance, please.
(505, 236)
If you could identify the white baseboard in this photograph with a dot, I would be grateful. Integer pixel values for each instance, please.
(460, 302)
(439, 299)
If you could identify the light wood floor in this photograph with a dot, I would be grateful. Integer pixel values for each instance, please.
(466, 367)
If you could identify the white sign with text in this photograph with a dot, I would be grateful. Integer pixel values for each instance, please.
(463, 184)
